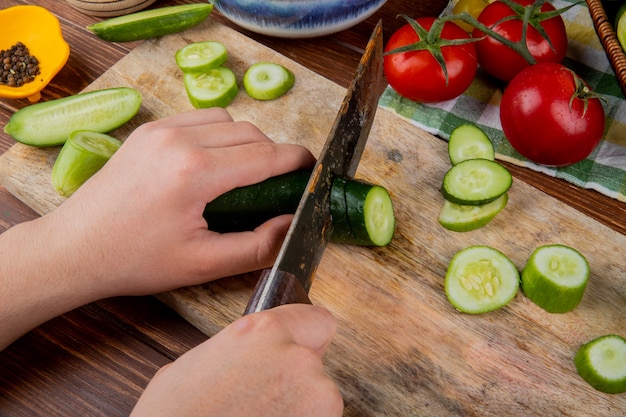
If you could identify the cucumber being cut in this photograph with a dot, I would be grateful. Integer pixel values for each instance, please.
(464, 218)
(151, 23)
(201, 56)
(267, 81)
(362, 213)
(480, 279)
(602, 363)
(476, 182)
(82, 155)
(50, 123)
(468, 141)
(555, 278)
(216, 87)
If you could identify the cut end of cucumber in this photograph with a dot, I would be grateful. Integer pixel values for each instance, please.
(468, 141)
(555, 278)
(480, 279)
(602, 363)
(379, 216)
(464, 218)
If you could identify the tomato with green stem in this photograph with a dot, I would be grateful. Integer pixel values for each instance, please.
(550, 116)
(535, 20)
(430, 60)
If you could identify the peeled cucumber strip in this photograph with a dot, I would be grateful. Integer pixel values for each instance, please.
(214, 88)
(476, 182)
(555, 278)
(201, 56)
(602, 363)
(464, 218)
(468, 141)
(83, 154)
(50, 123)
(267, 80)
(151, 23)
(480, 279)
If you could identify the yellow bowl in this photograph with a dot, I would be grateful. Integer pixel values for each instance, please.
(40, 31)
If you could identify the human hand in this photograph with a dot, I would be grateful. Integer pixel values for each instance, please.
(140, 217)
(264, 364)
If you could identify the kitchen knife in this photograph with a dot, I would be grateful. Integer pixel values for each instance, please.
(289, 280)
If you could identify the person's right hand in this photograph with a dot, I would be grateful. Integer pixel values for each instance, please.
(264, 364)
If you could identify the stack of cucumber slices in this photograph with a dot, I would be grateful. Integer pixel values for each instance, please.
(475, 187)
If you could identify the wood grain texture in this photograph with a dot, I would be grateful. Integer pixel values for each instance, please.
(401, 348)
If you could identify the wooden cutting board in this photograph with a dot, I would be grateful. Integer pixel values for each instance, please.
(401, 348)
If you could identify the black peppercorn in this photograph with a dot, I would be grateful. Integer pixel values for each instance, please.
(18, 66)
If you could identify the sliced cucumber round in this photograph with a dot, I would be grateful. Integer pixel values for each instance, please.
(201, 56)
(151, 23)
(50, 123)
(214, 88)
(480, 279)
(468, 141)
(476, 182)
(602, 363)
(555, 278)
(82, 155)
(463, 218)
(267, 80)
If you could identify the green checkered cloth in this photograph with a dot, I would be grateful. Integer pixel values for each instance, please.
(604, 170)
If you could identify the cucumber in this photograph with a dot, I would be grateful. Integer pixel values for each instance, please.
(267, 80)
(151, 23)
(216, 87)
(82, 155)
(555, 278)
(480, 279)
(468, 141)
(201, 56)
(602, 363)
(362, 213)
(476, 182)
(463, 218)
(50, 123)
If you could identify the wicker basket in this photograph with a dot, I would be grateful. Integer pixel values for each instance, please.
(608, 38)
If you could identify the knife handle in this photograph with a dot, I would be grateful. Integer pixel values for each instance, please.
(282, 288)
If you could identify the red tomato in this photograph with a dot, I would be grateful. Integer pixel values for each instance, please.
(538, 121)
(418, 76)
(502, 62)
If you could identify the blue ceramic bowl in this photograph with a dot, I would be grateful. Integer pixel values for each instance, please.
(297, 18)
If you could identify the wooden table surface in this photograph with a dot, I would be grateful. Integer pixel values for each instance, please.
(96, 360)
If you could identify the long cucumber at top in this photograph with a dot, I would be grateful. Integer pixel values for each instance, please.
(362, 213)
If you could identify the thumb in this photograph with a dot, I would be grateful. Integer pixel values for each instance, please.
(310, 326)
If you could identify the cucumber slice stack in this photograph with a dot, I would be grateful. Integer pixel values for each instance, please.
(475, 187)
(602, 363)
(555, 278)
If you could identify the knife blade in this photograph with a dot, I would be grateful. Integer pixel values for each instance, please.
(291, 276)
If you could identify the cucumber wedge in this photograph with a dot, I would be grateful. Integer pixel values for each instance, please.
(463, 218)
(50, 123)
(480, 279)
(468, 141)
(476, 182)
(216, 87)
(267, 80)
(555, 278)
(602, 363)
(201, 56)
(151, 23)
(83, 154)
